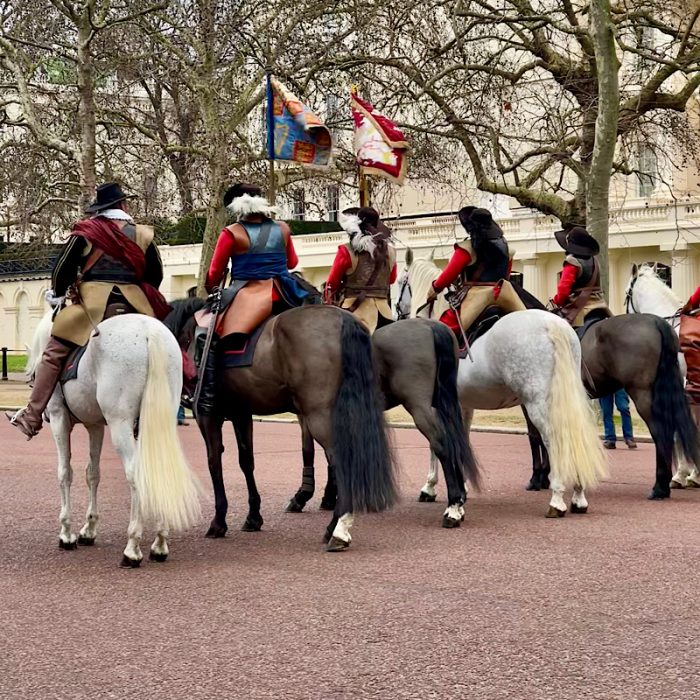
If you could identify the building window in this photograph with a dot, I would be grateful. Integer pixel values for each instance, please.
(663, 272)
(517, 277)
(647, 174)
(298, 205)
(332, 202)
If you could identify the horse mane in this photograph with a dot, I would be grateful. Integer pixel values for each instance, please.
(182, 312)
(421, 275)
(648, 273)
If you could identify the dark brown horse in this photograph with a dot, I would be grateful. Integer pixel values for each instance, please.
(639, 353)
(315, 361)
(417, 361)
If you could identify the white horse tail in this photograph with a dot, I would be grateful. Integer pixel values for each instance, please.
(168, 491)
(576, 455)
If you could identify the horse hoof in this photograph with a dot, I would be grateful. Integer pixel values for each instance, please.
(451, 522)
(216, 531)
(252, 525)
(424, 497)
(578, 509)
(336, 545)
(86, 541)
(327, 505)
(157, 556)
(677, 485)
(658, 494)
(67, 545)
(130, 563)
(553, 512)
(692, 484)
(294, 507)
(532, 487)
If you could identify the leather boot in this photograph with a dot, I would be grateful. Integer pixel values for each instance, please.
(48, 372)
(207, 394)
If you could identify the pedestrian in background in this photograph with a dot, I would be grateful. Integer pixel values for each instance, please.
(621, 400)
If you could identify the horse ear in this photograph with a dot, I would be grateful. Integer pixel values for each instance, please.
(409, 257)
(635, 269)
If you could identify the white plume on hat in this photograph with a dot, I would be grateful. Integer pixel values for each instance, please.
(247, 204)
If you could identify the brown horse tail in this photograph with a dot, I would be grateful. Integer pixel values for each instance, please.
(456, 450)
(362, 458)
(669, 408)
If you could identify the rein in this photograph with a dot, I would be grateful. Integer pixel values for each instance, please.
(629, 302)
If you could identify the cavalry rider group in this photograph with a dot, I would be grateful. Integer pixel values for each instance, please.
(110, 266)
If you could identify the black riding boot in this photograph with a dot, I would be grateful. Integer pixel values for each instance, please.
(207, 394)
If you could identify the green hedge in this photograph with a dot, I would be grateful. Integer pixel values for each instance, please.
(190, 229)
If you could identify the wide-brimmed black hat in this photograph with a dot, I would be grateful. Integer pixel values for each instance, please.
(370, 221)
(577, 241)
(107, 196)
(476, 218)
(239, 189)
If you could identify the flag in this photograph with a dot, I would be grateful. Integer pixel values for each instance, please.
(294, 132)
(380, 146)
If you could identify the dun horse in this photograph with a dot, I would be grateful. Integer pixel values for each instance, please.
(315, 361)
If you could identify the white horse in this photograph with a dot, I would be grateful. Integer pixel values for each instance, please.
(130, 379)
(530, 358)
(646, 293)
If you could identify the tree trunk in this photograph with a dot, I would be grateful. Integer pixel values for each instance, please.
(216, 219)
(86, 112)
(598, 185)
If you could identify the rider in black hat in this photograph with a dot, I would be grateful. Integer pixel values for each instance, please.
(579, 292)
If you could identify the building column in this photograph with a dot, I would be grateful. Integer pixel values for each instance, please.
(684, 279)
(534, 277)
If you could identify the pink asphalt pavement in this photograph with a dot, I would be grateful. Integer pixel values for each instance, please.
(511, 605)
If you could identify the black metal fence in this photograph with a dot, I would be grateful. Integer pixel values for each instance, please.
(4, 352)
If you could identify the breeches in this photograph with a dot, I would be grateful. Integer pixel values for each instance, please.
(478, 299)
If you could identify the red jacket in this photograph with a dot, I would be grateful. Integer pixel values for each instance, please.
(458, 262)
(569, 273)
(694, 300)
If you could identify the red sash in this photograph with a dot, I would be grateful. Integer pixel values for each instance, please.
(107, 236)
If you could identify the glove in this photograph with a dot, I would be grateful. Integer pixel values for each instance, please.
(686, 308)
(52, 300)
(432, 296)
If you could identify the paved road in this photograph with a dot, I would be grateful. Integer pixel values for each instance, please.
(509, 606)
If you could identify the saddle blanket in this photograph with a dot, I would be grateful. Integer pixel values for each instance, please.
(243, 357)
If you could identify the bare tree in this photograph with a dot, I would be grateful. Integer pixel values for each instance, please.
(528, 88)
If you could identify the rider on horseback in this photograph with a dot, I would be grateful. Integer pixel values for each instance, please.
(109, 266)
(364, 268)
(261, 253)
(479, 268)
(579, 293)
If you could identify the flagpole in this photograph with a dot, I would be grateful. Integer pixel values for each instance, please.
(272, 183)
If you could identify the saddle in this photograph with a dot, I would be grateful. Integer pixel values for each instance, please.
(595, 316)
(484, 323)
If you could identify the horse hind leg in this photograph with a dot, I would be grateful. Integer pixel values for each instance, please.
(428, 493)
(125, 445)
(61, 429)
(88, 532)
(211, 428)
(308, 479)
(159, 549)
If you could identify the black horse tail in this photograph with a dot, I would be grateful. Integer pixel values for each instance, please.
(362, 458)
(456, 450)
(669, 409)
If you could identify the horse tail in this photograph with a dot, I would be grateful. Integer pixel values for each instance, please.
(361, 455)
(576, 455)
(669, 405)
(456, 450)
(168, 491)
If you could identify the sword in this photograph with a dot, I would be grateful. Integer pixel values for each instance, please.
(207, 343)
(461, 330)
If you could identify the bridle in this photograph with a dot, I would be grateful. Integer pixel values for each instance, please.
(402, 315)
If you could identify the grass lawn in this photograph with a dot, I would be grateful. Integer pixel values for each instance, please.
(16, 363)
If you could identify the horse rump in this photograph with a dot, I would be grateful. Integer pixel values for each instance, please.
(362, 458)
(455, 445)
